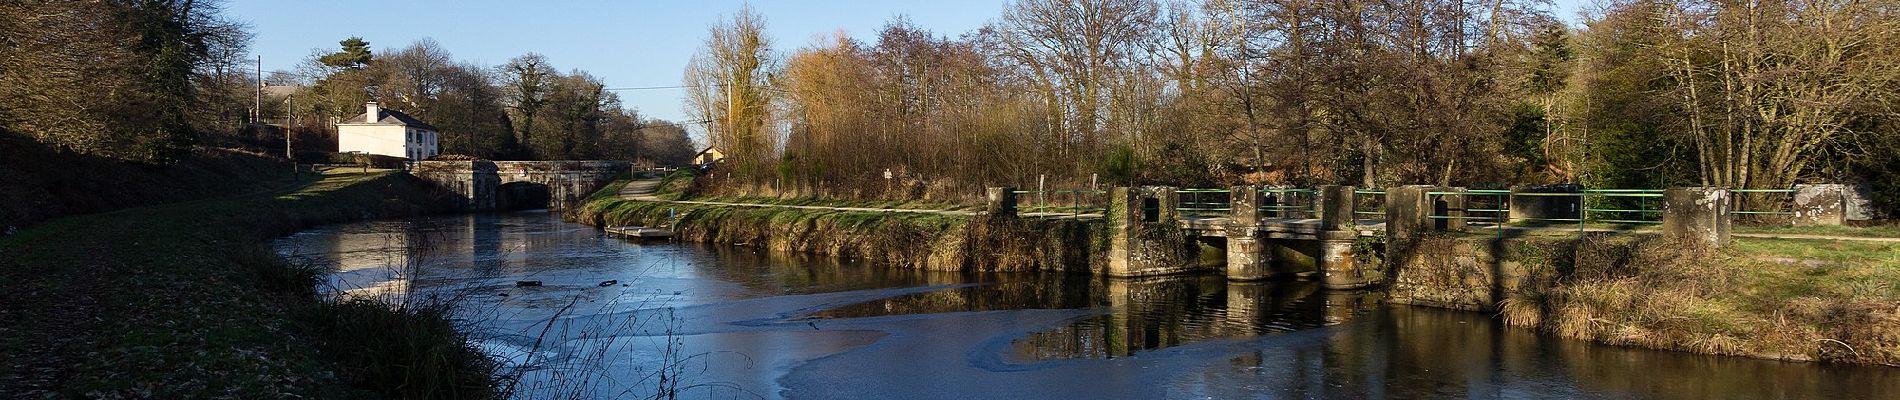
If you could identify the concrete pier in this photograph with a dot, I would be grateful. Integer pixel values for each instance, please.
(1824, 204)
(1145, 237)
(1000, 201)
(1408, 211)
(1338, 266)
(1697, 214)
(1249, 255)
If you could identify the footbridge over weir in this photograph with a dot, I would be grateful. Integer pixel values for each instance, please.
(1269, 232)
(484, 185)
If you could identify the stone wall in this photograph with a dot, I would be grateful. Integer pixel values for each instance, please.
(568, 182)
(1146, 238)
(1463, 274)
(477, 182)
(474, 182)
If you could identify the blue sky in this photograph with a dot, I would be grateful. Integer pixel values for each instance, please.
(625, 43)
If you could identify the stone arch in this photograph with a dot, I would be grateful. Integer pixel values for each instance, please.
(524, 195)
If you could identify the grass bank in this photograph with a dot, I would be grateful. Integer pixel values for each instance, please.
(186, 300)
(906, 240)
(39, 182)
(1798, 300)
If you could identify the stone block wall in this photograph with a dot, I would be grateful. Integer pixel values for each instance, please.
(1145, 236)
(1464, 274)
(477, 182)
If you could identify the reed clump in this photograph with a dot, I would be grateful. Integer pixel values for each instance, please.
(1778, 299)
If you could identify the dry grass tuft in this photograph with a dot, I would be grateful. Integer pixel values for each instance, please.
(1831, 302)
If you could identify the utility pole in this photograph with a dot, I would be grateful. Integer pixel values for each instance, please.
(290, 117)
(257, 102)
(290, 126)
(731, 114)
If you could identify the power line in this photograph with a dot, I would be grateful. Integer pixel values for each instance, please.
(676, 124)
(720, 85)
(650, 87)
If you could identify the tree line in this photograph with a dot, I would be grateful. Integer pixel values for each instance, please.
(143, 80)
(1640, 94)
(525, 108)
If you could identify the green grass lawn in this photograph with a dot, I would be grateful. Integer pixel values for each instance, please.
(1890, 230)
(186, 300)
(1787, 270)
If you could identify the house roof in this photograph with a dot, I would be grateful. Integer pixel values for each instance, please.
(279, 91)
(390, 117)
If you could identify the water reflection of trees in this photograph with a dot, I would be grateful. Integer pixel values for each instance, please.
(777, 272)
(1411, 352)
(1143, 314)
(1151, 314)
(1005, 292)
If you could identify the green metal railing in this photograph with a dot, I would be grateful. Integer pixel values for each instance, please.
(1289, 203)
(1605, 206)
(1481, 206)
(1204, 202)
(1623, 206)
(1740, 202)
(1368, 202)
(1061, 203)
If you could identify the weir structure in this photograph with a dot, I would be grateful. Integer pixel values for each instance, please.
(483, 185)
(1338, 232)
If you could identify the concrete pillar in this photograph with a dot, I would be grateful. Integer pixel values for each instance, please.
(1697, 214)
(1123, 216)
(1169, 200)
(1338, 267)
(1245, 202)
(1143, 240)
(1824, 204)
(1249, 257)
(1335, 207)
(1452, 206)
(1002, 201)
(1408, 211)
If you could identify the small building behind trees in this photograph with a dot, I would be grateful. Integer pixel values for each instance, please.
(386, 132)
(710, 155)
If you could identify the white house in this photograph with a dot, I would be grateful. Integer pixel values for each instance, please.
(708, 156)
(386, 132)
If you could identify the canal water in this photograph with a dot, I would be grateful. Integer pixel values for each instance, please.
(577, 314)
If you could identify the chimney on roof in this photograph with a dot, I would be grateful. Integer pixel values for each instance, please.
(372, 113)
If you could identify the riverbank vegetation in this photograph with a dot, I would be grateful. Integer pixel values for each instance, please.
(903, 240)
(1802, 300)
(186, 300)
(1633, 94)
(43, 182)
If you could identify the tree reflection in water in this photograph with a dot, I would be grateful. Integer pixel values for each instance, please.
(1141, 314)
